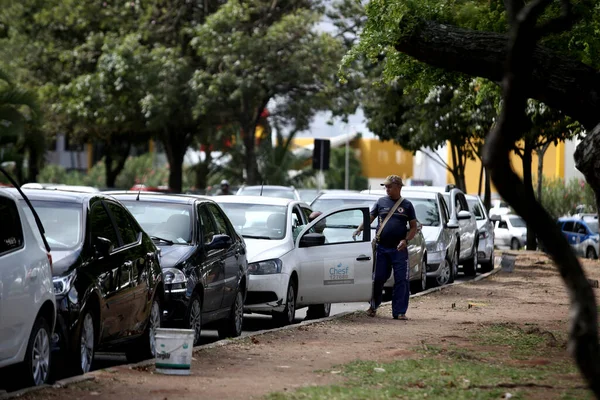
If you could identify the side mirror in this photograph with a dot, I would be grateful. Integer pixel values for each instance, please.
(312, 239)
(219, 242)
(103, 246)
(464, 214)
(452, 224)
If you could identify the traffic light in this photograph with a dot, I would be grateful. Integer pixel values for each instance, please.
(320, 159)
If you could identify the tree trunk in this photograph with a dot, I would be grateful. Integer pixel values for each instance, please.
(527, 159)
(481, 172)
(561, 83)
(487, 198)
(34, 164)
(587, 160)
(175, 147)
(202, 170)
(115, 158)
(541, 152)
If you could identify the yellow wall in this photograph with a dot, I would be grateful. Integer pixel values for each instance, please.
(378, 159)
(554, 167)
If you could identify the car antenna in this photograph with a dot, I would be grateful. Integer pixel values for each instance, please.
(140, 189)
(262, 184)
(36, 217)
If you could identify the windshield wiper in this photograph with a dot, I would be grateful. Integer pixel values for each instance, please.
(257, 237)
(167, 241)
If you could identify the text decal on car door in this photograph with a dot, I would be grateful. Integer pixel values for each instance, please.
(339, 275)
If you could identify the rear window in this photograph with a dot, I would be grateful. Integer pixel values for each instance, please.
(426, 211)
(476, 209)
(11, 234)
(164, 220)
(62, 222)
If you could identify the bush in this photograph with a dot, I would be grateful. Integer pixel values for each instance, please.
(561, 199)
(141, 169)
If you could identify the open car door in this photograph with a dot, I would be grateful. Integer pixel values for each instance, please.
(335, 268)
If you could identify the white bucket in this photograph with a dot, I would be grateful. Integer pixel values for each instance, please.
(174, 351)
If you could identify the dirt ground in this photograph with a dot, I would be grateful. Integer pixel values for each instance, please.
(311, 354)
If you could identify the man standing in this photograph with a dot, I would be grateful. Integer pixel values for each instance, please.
(392, 247)
(224, 188)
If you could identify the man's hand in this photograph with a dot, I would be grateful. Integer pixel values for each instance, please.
(356, 233)
(402, 245)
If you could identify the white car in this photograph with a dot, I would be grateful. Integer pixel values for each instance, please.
(27, 305)
(510, 231)
(293, 263)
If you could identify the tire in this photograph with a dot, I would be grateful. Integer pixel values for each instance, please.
(317, 311)
(193, 317)
(421, 284)
(591, 253)
(444, 277)
(145, 346)
(36, 365)
(454, 266)
(470, 267)
(289, 312)
(514, 244)
(85, 346)
(232, 326)
(487, 266)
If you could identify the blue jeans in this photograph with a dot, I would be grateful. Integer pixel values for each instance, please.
(388, 259)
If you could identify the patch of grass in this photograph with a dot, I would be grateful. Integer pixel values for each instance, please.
(432, 377)
(522, 342)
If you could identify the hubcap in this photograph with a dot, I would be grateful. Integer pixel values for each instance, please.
(40, 357)
(196, 319)
(424, 275)
(291, 306)
(87, 343)
(444, 276)
(475, 260)
(239, 313)
(154, 324)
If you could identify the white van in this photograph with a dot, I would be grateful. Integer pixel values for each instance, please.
(27, 305)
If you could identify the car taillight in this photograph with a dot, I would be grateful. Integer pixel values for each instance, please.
(50, 261)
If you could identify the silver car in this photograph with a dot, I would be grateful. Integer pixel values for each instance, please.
(485, 227)
(417, 250)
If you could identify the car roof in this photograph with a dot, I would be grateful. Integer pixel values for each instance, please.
(415, 194)
(56, 195)
(342, 195)
(161, 197)
(267, 187)
(275, 201)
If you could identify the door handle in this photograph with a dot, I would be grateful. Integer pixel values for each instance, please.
(362, 257)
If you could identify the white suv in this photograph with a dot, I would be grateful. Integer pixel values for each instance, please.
(27, 305)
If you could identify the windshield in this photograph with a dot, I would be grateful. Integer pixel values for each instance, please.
(426, 211)
(167, 221)
(475, 208)
(62, 223)
(325, 205)
(257, 221)
(518, 222)
(268, 192)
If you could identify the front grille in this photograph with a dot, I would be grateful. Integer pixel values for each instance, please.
(260, 297)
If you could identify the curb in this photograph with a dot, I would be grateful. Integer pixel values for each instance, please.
(90, 376)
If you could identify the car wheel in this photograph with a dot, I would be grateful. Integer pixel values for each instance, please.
(470, 267)
(514, 244)
(86, 344)
(488, 265)
(193, 318)
(232, 326)
(444, 277)
(145, 346)
(421, 284)
(37, 355)
(591, 253)
(454, 266)
(317, 311)
(289, 312)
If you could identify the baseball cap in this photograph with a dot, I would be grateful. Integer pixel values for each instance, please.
(224, 182)
(392, 179)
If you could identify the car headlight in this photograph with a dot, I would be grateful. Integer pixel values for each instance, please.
(173, 276)
(62, 284)
(265, 267)
(435, 246)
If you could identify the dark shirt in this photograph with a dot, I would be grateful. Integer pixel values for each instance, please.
(396, 228)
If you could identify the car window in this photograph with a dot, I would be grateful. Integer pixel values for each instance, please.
(502, 225)
(306, 212)
(445, 212)
(581, 229)
(517, 222)
(568, 226)
(11, 234)
(62, 222)
(164, 220)
(128, 231)
(220, 223)
(476, 209)
(101, 224)
(593, 226)
(207, 225)
(338, 227)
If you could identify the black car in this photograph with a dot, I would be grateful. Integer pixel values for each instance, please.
(202, 257)
(107, 277)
